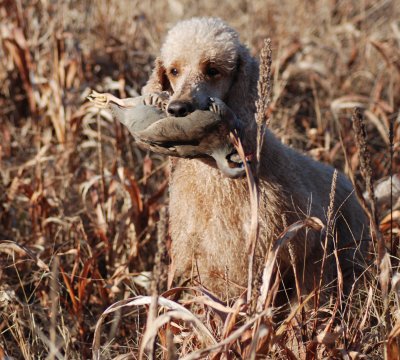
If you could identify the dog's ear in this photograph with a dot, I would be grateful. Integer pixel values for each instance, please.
(158, 80)
(243, 93)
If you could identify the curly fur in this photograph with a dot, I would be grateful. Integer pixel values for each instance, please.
(209, 213)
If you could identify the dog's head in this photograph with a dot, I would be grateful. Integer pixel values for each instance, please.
(202, 58)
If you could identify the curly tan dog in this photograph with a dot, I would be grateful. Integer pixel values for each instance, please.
(209, 212)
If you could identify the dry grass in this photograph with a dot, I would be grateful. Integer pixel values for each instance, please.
(80, 203)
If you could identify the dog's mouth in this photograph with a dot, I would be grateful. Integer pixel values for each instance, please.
(235, 161)
(231, 165)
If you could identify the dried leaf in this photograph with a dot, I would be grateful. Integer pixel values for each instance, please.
(179, 311)
(9, 245)
(384, 274)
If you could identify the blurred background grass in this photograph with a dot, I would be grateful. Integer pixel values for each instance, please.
(75, 188)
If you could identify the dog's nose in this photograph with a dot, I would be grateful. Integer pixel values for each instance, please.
(179, 108)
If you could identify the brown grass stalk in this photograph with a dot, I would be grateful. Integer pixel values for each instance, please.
(158, 281)
(393, 244)
(329, 233)
(103, 196)
(383, 260)
(254, 226)
(54, 296)
(264, 87)
(264, 94)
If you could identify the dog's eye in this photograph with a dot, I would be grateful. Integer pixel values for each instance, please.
(174, 71)
(212, 71)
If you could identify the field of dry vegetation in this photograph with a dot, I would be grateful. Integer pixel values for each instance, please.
(83, 209)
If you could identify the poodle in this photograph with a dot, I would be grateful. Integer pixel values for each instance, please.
(210, 213)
